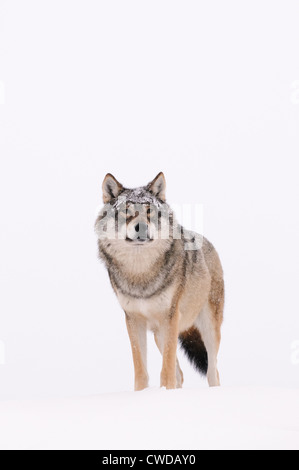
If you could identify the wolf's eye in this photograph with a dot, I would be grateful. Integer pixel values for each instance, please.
(121, 214)
(132, 214)
(150, 211)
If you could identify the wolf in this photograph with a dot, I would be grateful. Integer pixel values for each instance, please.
(167, 279)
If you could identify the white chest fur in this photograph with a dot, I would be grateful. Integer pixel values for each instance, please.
(153, 309)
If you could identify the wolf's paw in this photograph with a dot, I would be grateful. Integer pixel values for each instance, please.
(141, 383)
(179, 377)
(168, 381)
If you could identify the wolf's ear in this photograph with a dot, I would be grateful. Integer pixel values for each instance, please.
(158, 186)
(111, 188)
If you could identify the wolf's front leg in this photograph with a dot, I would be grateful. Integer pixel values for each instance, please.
(159, 338)
(168, 373)
(137, 334)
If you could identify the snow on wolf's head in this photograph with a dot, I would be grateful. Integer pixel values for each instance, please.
(138, 217)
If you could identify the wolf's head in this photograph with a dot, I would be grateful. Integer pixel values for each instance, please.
(137, 217)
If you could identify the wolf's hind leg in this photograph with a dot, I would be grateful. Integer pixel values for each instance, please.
(209, 329)
(159, 339)
(137, 334)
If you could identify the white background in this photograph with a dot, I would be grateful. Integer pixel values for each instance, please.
(204, 91)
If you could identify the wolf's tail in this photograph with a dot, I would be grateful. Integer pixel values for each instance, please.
(195, 349)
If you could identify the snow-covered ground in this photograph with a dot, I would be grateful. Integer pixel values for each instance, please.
(219, 418)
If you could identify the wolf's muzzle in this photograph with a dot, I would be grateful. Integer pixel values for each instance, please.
(141, 230)
(141, 233)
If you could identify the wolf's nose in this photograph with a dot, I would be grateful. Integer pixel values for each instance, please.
(142, 230)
